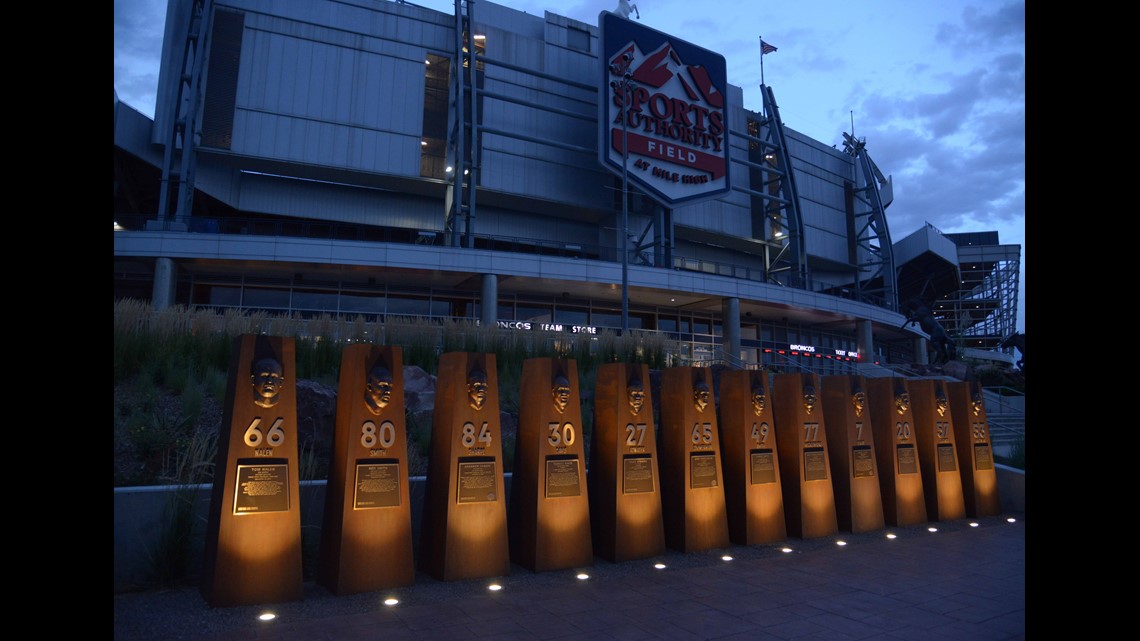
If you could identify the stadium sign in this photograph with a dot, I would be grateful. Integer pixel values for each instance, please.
(664, 100)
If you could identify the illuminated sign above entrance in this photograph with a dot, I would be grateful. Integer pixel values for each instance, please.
(664, 101)
(548, 327)
(797, 349)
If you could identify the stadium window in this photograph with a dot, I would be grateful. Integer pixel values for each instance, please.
(571, 315)
(311, 299)
(534, 313)
(437, 74)
(362, 303)
(409, 306)
(256, 297)
(578, 39)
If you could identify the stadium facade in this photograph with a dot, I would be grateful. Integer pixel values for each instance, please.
(378, 158)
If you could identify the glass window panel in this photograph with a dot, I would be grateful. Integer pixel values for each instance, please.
(532, 313)
(217, 295)
(605, 319)
(266, 298)
(362, 303)
(571, 315)
(409, 306)
(313, 299)
(578, 39)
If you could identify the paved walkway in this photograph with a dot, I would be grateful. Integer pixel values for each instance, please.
(963, 582)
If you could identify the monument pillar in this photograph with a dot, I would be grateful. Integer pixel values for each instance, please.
(753, 496)
(625, 487)
(464, 532)
(253, 530)
(896, 451)
(366, 534)
(975, 449)
(809, 498)
(692, 496)
(937, 452)
(851, 443)
(549, 513)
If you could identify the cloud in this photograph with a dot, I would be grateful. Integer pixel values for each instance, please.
(1002, 26)
(139, 29)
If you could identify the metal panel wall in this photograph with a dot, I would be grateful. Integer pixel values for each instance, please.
(520, 165)
(289, 197)
(820, 174)
(340, 84)
(514, 224)
(304, 100)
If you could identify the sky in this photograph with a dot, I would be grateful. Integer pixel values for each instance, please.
(936, 88)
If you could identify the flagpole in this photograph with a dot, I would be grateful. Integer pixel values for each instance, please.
(762, 101)
(761, 61)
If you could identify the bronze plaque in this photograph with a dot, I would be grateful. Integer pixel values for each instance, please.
(262, 488)
(815, 464)
(637, 474)
(946, 460)
(377, 484)
(862, 461)
(702, 470)
(983, 457)
(763, 467)
(908, 463)
(562, 477)
(476, 482)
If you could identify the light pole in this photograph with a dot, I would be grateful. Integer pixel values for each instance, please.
(626, 76)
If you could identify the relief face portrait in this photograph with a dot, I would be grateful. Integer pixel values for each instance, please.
(378, 389)
(476, 389)
(636, 393)
(266, 376)
(809, 397)
(902, 402)
(701, 396)
(561, 393)
(758, 400)
(859, 400)
(941, 403)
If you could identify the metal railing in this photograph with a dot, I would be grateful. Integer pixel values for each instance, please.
(1005, 415)
(332, 230)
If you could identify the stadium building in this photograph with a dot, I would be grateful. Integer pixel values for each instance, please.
(378, 158)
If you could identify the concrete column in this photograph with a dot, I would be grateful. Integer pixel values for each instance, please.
(162, 296)
(731, 324)
(920, 351)
(489, 303)
(863, 342)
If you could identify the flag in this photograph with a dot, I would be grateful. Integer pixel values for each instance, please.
(766, 48)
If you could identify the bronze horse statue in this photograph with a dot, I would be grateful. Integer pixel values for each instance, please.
(944, 347)
(1016, 340)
